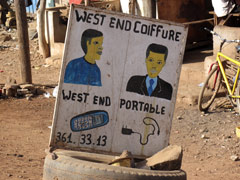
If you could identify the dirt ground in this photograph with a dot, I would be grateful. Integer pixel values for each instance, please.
(209, 141)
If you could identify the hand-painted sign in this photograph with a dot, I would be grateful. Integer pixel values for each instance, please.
(118, 82)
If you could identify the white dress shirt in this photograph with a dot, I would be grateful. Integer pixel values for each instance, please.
(222, 7)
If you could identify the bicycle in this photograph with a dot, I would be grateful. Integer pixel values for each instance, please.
(217, 76)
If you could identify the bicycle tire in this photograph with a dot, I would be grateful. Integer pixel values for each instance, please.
(237, 99)
(208, 91)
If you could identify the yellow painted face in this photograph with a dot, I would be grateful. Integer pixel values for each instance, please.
(94, 48)
(154, 63)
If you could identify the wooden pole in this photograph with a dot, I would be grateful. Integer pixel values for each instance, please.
(87, 2)
(132, 6)
(156, 4)
(43, 46)
(23, 40)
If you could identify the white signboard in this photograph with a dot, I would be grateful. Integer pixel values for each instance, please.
(118, 82)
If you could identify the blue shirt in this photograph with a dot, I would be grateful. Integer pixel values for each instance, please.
(154, 84)
(79, 71)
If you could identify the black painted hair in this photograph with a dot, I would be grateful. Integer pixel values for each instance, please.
(87, 35)
(157, 48)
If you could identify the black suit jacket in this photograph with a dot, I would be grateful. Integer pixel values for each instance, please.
(137, 84)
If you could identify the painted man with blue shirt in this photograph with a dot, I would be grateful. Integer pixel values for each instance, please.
(151, 84)
(84, 70)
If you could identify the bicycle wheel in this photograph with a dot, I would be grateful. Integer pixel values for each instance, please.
(209, 89)
(237, 99)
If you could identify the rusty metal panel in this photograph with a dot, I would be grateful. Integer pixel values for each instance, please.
(114, 95)
(182, 11)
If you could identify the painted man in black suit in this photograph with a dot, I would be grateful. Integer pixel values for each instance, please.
(151, 84)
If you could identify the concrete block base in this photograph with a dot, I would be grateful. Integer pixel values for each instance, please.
(57, 49)
(54, 61)
(229, 33)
